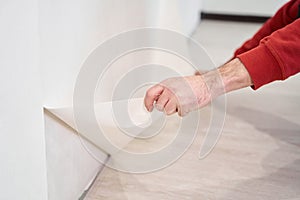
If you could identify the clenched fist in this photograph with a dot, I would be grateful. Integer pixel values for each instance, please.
(180, 94)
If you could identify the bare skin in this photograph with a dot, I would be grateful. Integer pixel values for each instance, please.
(185, 94)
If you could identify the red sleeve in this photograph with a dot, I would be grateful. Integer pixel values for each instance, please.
(276, 57)
(284, 16)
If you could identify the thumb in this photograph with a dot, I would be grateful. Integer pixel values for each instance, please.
(152, 95)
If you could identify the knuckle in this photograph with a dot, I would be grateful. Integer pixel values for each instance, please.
(154, 90)
(149, 93)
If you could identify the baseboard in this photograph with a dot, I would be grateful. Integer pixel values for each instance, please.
(90, 185)
(237, 18)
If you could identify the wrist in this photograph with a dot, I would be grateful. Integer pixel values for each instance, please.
(231, 76)
(234, 75)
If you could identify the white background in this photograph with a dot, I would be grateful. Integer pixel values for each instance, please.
(22, 143)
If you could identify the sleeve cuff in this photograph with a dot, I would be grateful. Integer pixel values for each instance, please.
(262, 66)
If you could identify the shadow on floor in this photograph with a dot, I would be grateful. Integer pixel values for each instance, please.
(282, 182)
(273, 125)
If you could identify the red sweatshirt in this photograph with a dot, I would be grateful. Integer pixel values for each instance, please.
(274, 51)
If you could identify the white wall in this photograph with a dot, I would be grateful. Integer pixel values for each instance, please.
(43, 44)
(243, 7)
(71, 29)
(22, 143)
(178, 15)
(70, 166)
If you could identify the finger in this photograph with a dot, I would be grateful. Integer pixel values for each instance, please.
(171, 106)
(181, 112)
(152, 95)
(162, 100)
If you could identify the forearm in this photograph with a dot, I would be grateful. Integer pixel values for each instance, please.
(228, 77)
(234, 75)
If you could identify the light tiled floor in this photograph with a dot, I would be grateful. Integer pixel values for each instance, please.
(257, 156)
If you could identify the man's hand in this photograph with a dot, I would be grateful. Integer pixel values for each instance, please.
(185, 94)
(180, 94)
